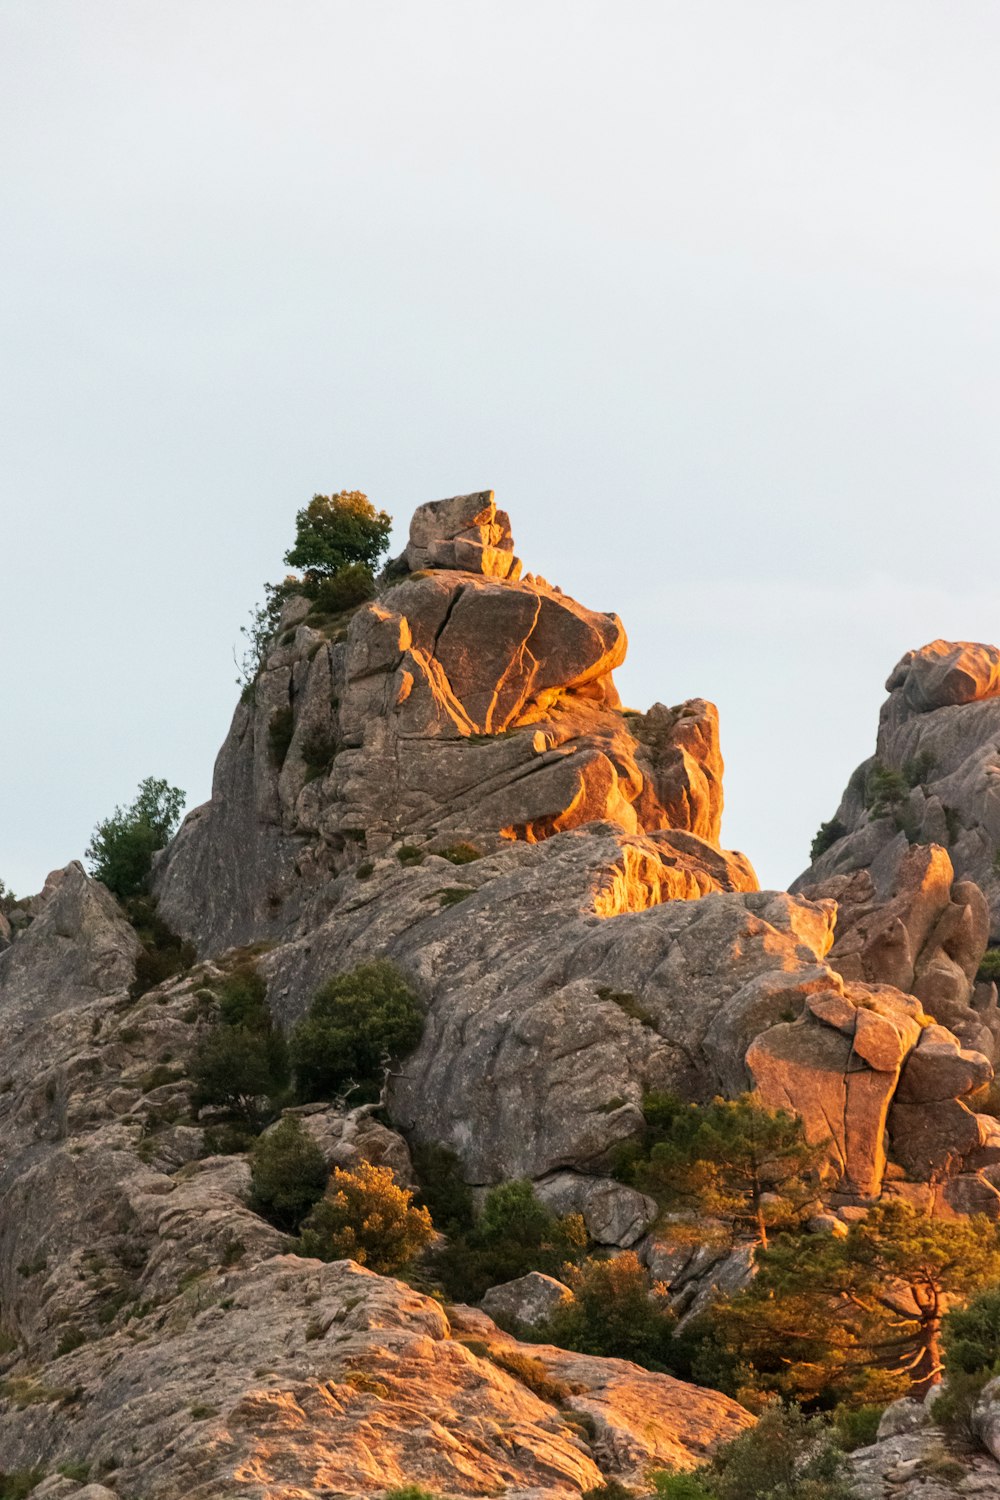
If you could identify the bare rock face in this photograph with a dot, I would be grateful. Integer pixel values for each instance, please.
(526, 1301)
(869, 1075)
(464, 702)
(918, 929)
(938, 732)
(78, 946)
(156, 1331)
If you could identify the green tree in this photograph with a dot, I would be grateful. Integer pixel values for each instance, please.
(359, 1024)
(121, 849)
(288, 1173)
(335, 531)
(514, 1234)
(735, 1161)
(970, 1337)
(7, 898)
(615, 1311)
(858, 1318)
(239, 1069)
(365, 1216)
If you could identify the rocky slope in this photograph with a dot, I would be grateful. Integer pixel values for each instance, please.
(445, 777)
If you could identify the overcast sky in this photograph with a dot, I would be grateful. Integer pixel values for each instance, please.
(706, 291)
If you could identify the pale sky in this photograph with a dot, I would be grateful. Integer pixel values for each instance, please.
(708, 292)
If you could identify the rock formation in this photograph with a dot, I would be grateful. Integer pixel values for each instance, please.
(462, 702)
(444, 777)
(937, 741)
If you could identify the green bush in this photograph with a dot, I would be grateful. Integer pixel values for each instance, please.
(410, 1492)
(515, 1234)
(358, 1024)
(121, 849)
(350, 586)
(989, 968)
(885, 791)
(17, 1484)
(787, 1455)
(7, 898)
(319, 749)
(614, 1312)
(462, 854)
(242, 999)
(365, 1216)
(163, 955)
(443, 1190)
(680, 1486)
(288, 1173)
(336, 532)
(827, 836)
(240, 1070)
(856, 1427)
(971, 1342)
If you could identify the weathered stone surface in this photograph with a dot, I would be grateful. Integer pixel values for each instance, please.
(347, 1137)
(917, 929)
(462, 703)
(939, 728)
(466, 532)
(614, 1214)
(203, 1362)
(78, 946)
(529, 1300)
(843, 1073)
(641, 1420)
(986, 1419)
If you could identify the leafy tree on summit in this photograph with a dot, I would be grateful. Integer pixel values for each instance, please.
(334, 532)
(121, 848)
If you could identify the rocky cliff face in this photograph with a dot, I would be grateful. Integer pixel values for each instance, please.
(937, 739)
(445, 777)
(463, 702)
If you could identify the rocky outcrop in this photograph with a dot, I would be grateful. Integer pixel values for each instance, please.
(78, 946)
(157, 1332)
(909, 923)
(870, 1076)
(938, 735)
(525, 1302)
(464, 702)
(913, 1460)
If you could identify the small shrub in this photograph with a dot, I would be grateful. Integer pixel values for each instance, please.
(856, 1427)
(366, 1217)
(462, 854)
(242, 998)
(17, 1484)
(827, 835)
(410, 1492)
(333, 533)
(680, 1486)
(451, 895)
(78, 1471)
(288, 1173)
(410, 854)
(319, 750)
(365, 870)
(358, 1023)
(785, 1454)
(515, 1234)
(121, 848)
(611, 1489)
(989, 969)
(532, 1373)
(32, 1267)
(279, 734)
(443, 1190)
(164, 953)
(885, 791)
(201, 1413)
(71, 1339)
(7, 898)
(238, 1069)
(615, 1311)
(346, 589)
